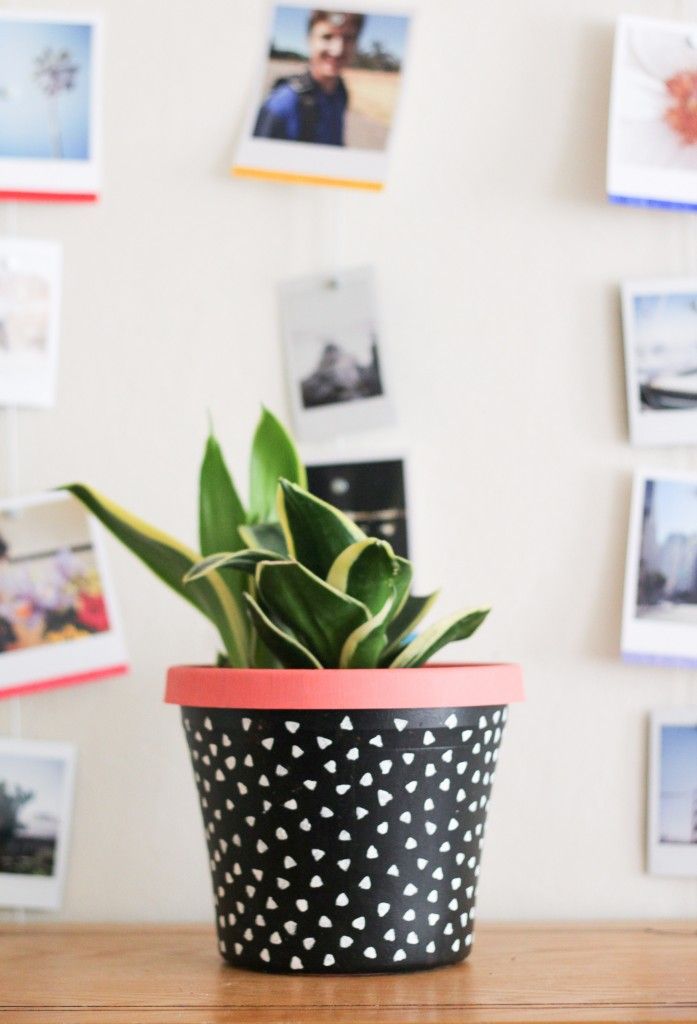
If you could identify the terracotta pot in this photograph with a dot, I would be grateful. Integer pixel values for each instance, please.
(344, 809)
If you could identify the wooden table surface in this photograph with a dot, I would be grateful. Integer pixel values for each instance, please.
(171, 974)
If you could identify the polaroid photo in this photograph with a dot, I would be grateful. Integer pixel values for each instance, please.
(659, 321)
(672, 793)
(36, 800)
(334, 356)
(327, 97)
(58, 618)
(659, 618)
(30, 294)
(50, 67)
(652, 142)
(372, 493)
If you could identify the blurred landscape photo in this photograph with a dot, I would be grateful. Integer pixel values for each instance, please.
(678, 785)
(667, 580)
(31, 798)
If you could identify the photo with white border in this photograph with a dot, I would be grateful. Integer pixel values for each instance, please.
(327, 96)
(652, 139)
(334, 355)
(59, 623)
(50, 83)
(672, 793)
(659, 616)
(30, 296)
(37, 782)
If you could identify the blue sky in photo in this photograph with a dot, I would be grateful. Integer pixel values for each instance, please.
(25, 110)
(289, 31)
(675, 508)
(666, 318)
(678, 779)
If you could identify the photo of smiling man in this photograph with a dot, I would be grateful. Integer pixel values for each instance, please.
(330, 83)
(310, 107)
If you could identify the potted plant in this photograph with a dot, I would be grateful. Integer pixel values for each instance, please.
(343, 781)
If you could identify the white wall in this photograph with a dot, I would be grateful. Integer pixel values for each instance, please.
(498, 262)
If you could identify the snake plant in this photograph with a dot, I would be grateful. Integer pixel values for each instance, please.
(290, 580)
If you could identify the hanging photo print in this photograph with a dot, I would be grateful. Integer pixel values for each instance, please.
(49, 106)
(652, 147)
(672, 803)
(36, 798)
(30, 291)
(58, 619)
(327, 97)
(334, 356)
(372, 494)
(659, 621)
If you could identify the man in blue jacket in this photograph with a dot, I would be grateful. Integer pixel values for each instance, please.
(310, 107)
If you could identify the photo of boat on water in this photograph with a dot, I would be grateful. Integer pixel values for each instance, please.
(660, 339)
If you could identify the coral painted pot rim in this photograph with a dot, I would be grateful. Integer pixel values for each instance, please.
(286, 689)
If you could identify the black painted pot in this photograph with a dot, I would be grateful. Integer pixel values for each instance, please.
(344, 839)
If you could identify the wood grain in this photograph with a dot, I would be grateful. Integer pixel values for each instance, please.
(109, 974)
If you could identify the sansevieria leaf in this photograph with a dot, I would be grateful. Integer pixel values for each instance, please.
(316, 532)
(319, 616)
(363, 647)
(274, 455)
(289, 652)
(455, 627)
(268, 536)
(170, 560)
(245, 561)
(405, 621)
(365, 570)
(220, 510)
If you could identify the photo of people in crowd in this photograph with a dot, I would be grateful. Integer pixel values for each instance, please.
(57, 614)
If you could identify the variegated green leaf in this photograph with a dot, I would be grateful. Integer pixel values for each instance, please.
(364, 646)
(366, 570)
(318, 615)
(274, 455)
(286, 649)
(455, 627)
(413, 610)
(315, 532)
(220, 509)
(245, 561)
(267, 536)
(170, 560)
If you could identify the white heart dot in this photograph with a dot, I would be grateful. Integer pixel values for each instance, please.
(282, 883)
(271, 904)
(323, 742)
(412, 938)
(410, 889)
(302, 905)
(344, 788)
(383, 909)
(433, 918)
(288, 862)
(384, 797)
(445, 785)
(429, 804)
(268, 742)
(207, 724)
(292, 726)
(382, 828)
(324, 922)
(421, 863)
(246, 722)
(330, 766)
(344, 836)
(376, 741)
(399, 955)
(318, 854)
(409, 915)
(346, 722)
(305, 825)
(292, 805)
(400, 723)
(452, 905)
(326, 812)
(281, 770)
(433, 896)
(265, 956)
(431, 947)
(263, 781)
(364, 883)
(281, 833)
(296, 963)
(276, 939)
(438, 873)
(366, 780)
(372, 853)
(249, 761)
(370, 952)
(316, 882)
(291, 927)
(358, 923)
(411, 843)
(430, 827)
(296, 751)
(361, 812)
(393, 870)
(310, 784)
(344, 864)
(342, 900)
(345, 941)
(352, 755)
(408, 757)
(390, 935)
(230, 762)
(309, 942)
(411, 786)
(329, 960)
(385, 766)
